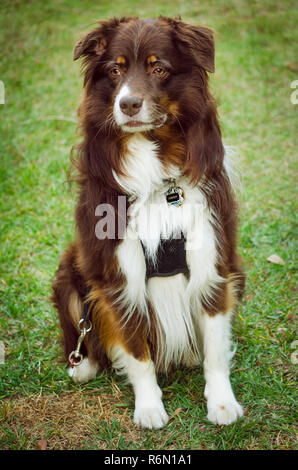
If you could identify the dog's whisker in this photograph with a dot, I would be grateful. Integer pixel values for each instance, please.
(108, 124)
(162, 109)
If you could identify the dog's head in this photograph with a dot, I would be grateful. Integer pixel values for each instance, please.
(146, 75)
(147, 72)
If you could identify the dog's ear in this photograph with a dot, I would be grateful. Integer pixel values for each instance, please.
(95, 43)
(204, 147)
(196, 41)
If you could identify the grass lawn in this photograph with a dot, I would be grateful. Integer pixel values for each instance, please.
(255, 65)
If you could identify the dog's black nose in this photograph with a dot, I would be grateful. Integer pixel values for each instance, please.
(130, 105)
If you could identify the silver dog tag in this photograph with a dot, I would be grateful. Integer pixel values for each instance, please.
(174, 195)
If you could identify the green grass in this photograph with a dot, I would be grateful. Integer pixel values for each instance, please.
(255, 65)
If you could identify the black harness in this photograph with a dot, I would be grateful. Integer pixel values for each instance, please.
(170, 258)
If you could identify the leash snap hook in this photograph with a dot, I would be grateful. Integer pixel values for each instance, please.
(82, 328)
(75, 358)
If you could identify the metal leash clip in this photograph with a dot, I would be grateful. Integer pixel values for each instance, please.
(75, 358)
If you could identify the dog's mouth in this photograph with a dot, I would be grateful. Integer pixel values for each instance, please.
(140, 124)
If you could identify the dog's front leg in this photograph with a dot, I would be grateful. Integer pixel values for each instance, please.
(222, 405)
(149, 410)
(129, 354)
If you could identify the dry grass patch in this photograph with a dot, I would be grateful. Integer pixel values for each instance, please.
(73, 420)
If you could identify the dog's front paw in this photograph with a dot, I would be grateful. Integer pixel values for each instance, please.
(151, 416)
(224, 412)
(84, 372)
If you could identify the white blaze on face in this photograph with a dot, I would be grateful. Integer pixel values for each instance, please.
(143, 116)
(119, 116)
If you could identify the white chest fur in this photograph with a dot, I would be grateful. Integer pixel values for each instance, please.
(176, 299)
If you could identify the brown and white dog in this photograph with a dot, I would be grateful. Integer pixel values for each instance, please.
(150, 129)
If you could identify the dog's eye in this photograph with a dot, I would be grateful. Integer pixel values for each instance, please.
(159, 71)
(115, 72)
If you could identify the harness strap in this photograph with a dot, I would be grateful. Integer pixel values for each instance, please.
(87, 306)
